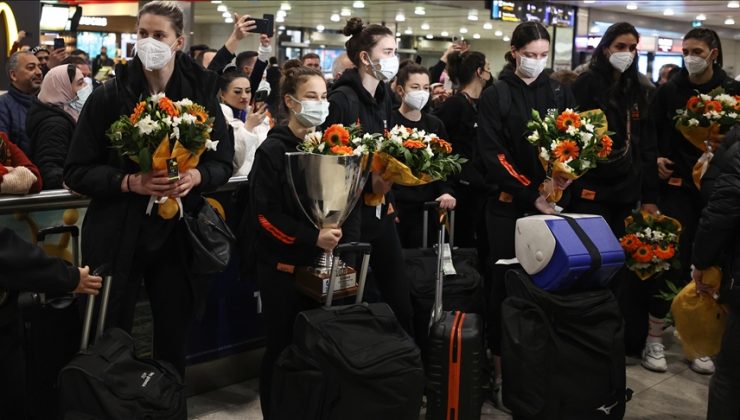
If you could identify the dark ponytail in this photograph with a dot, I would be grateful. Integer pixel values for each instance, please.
(362, 38)
(708, 37)
(525, 33)
(462, 67)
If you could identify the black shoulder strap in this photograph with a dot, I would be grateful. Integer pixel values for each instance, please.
(352, 100)
(557, 93)
(504, 98)
(593, 251)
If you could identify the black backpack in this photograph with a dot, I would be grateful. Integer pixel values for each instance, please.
(563, 355)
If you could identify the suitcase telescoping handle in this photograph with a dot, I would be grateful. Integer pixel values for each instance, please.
(437, 307)
(103, 270)
(362, 247)
(428, 207)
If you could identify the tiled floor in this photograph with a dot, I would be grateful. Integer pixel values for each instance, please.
(678, 394)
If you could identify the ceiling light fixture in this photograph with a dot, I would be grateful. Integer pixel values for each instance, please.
(398, 34)
(219, 2)
(229, 20)
(473, 15)
(408, 31)
(498, 33)
(701, 16)
(226, 15)
(444, 33)
(729, 21)
(320, 28)
(282, 13)
(476, 36)
(346, 12)
(222, 8)
(631, 6)
(733, 4)
(285, 6)
(420, 11)
(463, 30)
(400, 17)
(507, 39)
(487, 25)
(279, 18)
(668, 12)
(281, 28)
(429, 36)
(589, 1)
(334, 17)
(358, 5)
(425, 26)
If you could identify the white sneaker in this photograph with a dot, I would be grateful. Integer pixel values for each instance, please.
(653, 357)
(702, 365)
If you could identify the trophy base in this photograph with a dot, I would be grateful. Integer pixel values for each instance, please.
(315, 284)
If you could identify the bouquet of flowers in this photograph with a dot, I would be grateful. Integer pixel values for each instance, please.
(704, 122)
(569, 144)
(411, 157)
(338, 140)
(650, 243)
(162, 134)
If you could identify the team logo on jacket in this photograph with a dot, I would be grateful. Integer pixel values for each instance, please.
(146, 376)
(607, 410)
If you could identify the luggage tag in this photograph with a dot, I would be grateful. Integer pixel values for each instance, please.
(510, 261)
(448, 268)
(378, 211)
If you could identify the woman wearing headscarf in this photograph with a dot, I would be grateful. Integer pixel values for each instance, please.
(52, 119)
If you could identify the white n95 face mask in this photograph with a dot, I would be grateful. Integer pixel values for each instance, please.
(621, 61)
(532, 67)
(313, 113)
(154, 55)
(416, 99)
(694, 64)
(388, 68)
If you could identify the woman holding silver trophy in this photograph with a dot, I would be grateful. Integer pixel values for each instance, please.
(285, 238)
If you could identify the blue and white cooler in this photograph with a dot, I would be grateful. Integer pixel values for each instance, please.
(566, 252)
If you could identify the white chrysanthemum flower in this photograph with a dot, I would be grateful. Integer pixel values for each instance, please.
(189, 119)
(360, 150)
(321, 147)
(725, 99)
(732, 115)
(705, 98)
(554, 145)
(693, 122)
(184, 102)
(589, 127)
(586, 137)
(587, 164)
(175, 133)
(429, 152)
(155, 98)
(314, 138)
(397, 139)
(211, 145)
(146, 125)
(544, 154)
(572, 130)
(534, 137)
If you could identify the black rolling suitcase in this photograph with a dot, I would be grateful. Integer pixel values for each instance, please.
(107, 380)
(562, 355)
(51, 326)
(348, 362)
(455, 359)
(463, 291)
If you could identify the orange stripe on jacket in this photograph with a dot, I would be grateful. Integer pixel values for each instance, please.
(510, 169)
(277, 233)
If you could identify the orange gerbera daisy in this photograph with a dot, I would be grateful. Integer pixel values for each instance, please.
(566, 119)
(630, 242)
(166, 105)
(341, 150)
(138, 110)
(643, 254)
(200, 113)
(604, 147)
(442, 146)
(566, 149)
(336, 134)
(414, 144)
(693, 104)
(664, 253)
(737, 103)
(715, 106)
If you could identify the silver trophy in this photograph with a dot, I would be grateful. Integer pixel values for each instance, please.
(326, 189)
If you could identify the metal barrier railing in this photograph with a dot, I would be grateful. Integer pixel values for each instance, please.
(63, 199)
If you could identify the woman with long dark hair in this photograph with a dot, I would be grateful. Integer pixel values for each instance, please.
(614, 188)
(679, 197)
(511, 162)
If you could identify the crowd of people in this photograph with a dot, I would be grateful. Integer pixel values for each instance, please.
(55, 117)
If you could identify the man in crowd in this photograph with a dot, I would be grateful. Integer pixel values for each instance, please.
(312, 60)
(102, 60)
(80, 53)
(204, 58)
(340, 64)
(25, 76)
(43, 56)
(665, 73)
(246, 61)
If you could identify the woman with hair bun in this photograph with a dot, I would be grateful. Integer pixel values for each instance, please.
(511, 162)
(285, 236)
(362, 96)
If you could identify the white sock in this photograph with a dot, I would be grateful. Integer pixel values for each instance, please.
(655, 330)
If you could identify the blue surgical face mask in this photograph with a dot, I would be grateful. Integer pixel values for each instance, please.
(82, 96)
